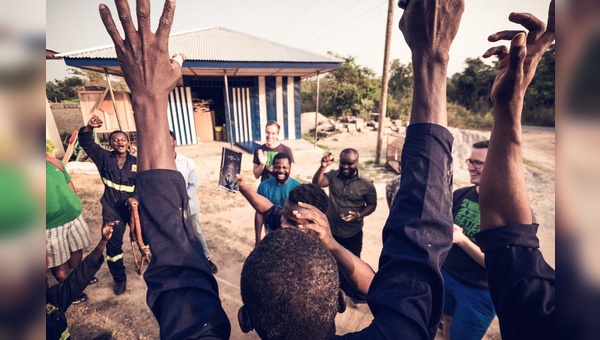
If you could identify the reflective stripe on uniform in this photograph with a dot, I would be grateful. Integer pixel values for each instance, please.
(119, 187)
(114, 258)
(65, 335)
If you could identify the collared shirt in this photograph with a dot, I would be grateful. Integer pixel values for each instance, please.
(348, 195)
(119, 183)
(188, 169)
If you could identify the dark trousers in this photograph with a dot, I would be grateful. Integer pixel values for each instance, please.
(354, 244)
(114, 250)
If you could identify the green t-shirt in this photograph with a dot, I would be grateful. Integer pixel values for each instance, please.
(18, 206)
(62, 204)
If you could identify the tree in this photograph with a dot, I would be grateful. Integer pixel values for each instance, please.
(66, 89)
(473, 86)
(400, 90)
(350, 90)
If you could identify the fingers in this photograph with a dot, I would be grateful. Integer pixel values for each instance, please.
(551, 18)
(500, 51)
(178, 58)
(125, 17)
(164, 25)
(143, 17)
(535, 26)
(503, 35)
(110, 26)
(518, 51)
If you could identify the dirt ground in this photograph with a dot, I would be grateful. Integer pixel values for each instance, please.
(228, 227)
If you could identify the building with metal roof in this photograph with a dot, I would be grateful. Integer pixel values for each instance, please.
(231, 80)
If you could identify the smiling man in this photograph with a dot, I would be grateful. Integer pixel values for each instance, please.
(277, 188)
(351, 198)
(468, 307)
(118, 169)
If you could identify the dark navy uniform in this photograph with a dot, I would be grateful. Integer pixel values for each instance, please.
(60, 296)
(119, 184)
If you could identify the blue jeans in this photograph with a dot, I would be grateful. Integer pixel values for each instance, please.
(471, 309)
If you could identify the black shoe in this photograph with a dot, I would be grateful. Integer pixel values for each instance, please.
(212, 266)
(94, 280)
(119, 287)
(82, 297)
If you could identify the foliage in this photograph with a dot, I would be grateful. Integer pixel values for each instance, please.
(351, 90)
(66, 90)
(460, 117)
(50, 148)
(472, 87)
(539, 98)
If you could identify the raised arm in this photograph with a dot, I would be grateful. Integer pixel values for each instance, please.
(182, 292)
(259, 202)
(503, 193)
(406, 294)
(319, 176)
(521, 283)
(150, 74)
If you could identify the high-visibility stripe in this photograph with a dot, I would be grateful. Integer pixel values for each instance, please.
(119, 187)
(114, 258)
(65, 335)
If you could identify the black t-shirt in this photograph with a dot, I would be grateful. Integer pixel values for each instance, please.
(461, 266)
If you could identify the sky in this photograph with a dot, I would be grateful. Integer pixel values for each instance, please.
(347, 27)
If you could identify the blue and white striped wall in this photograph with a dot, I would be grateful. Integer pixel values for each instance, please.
(252, 103)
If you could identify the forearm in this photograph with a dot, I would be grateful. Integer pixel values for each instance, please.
(503, 197)
(429, 96)
(97, 252)
(367, 210)
(356, 271)
(258, 226)
(472, 250)
(151, 120)
(257, 170)
(318, 176)
(260, 203)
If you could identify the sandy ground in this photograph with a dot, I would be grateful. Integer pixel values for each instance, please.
(228, 227)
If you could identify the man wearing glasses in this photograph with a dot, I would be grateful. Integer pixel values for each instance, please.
(468, 307)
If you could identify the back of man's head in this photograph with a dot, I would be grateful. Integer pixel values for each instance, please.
(311, 194)
(289, 287)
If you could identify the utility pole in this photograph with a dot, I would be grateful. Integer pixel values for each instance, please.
(384, 81)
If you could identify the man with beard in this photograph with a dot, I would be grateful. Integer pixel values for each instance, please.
(264, 157)
(277, 188)
(118, 170)
(351, 198)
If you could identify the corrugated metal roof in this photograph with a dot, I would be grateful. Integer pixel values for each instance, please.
(221, 45)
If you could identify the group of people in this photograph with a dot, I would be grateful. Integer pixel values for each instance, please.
(290, 282)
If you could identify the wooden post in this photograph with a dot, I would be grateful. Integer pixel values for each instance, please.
(384, 81)
(228, 109)
(316, 112)
(112, 97)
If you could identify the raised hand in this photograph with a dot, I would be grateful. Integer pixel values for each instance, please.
(95, 122)
(431, 25)
(517, 66)
(262, 157)
(327, 160)
(107, 230)
(312, 221)
(143, 55)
